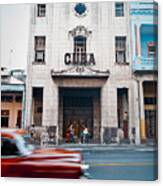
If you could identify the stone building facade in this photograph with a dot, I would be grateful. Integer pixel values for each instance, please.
(80, 71)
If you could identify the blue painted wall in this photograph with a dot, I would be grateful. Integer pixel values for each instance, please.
(143, 14)
(148, 34)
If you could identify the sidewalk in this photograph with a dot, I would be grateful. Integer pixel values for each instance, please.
(109, 147)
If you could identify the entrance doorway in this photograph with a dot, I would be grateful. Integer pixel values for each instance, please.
(37, 105)
(77, 112)
(150, 109)
(19, 118)
(122, 109)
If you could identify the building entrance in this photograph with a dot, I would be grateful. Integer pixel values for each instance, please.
(77, 112)
(150, 109)
(122, 110)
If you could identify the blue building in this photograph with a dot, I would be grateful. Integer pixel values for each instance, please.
(144, 25)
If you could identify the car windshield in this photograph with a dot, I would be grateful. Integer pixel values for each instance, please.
(23, 145)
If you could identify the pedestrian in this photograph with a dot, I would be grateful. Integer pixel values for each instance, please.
(132, 139)
(81, 129)
(71, 128)
(120, 135)
(44, 138)
(85, 135)
(18, 126)
(32, 131)
(81, 137)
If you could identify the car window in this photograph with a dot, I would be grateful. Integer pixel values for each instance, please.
(28, 141)
(8, 147)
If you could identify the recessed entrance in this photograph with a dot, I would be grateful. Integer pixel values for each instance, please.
(80, 108)
(122, 110)
(150, 109)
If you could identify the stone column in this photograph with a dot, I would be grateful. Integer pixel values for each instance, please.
(60, 119)
(136, 113)
(28, 105)
(142, 115)
(104, 111)
(56, 112)
(130, 116)
(138, 41)
(23, 109)
(50, 107)
(96, 119)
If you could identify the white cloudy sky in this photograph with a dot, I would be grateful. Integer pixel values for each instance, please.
(14, 31)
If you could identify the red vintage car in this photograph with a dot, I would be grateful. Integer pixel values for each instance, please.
(18, 160)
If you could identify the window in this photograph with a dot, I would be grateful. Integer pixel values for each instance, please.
(80, 44)
(8, 147)
(150, 101)
(39, 110)
(151, 49)
(79, 55)
(41, 10)
(18, 99)
(119, 9)
(40, 48)
(7, 98)
(120, 44)
(4, 118)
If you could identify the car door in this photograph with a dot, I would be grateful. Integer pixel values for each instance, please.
(10, 157)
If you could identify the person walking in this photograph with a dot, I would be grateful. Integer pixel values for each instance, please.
(44, 138)
(71, 128)
(85, 135)
(32, 131)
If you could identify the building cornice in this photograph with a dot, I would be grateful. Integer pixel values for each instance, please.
(81, 71)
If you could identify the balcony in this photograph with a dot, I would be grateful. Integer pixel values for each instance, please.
(144, 64)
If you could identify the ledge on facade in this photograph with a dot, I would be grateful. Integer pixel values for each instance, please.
(123, 64)
(145, 71)
(38, 63)
(81, 72)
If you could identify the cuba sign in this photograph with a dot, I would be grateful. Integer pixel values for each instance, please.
(86, 59)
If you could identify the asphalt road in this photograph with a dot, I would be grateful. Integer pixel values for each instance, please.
(121, 164)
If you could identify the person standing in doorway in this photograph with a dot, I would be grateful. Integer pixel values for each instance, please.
(71, 128)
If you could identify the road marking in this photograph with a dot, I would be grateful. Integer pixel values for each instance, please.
(123, 164)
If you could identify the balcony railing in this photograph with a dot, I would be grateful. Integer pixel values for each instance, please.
(145, 64)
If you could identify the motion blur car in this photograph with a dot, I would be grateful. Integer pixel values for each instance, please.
(18, 160)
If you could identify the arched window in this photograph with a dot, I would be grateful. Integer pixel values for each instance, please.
(80, 44)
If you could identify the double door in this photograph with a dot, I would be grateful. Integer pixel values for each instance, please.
(77, 112)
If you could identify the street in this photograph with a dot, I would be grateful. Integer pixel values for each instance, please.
(121, 164)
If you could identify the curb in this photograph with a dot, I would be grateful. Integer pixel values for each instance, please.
(95, 147)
